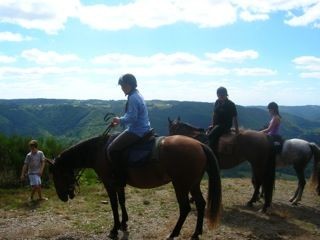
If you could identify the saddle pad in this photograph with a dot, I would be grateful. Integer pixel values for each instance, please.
(141, 154)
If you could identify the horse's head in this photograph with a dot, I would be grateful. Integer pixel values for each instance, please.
(177, 127)
(63, 178)
(174, 126)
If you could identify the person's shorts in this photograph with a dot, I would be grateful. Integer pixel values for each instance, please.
(34, 179)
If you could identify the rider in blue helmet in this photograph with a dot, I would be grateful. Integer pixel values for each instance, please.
(136, 123)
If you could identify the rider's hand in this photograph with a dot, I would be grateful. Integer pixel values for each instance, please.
(115, 121)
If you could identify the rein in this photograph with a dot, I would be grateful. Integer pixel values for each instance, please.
(77, 180)
(107, 119)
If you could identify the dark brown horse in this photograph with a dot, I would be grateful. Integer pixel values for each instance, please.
(177, 159)
(249, 145)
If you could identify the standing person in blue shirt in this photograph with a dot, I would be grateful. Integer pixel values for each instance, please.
(136, 121)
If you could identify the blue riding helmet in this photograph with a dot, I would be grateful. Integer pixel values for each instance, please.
(128, 79)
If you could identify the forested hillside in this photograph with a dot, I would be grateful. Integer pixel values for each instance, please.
(74, 120)
(65, 122)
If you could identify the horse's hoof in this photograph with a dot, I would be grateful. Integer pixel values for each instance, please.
(249, 204)
(113, 235)
(123, 227)
(265, 210)
(170, 238)
(195, 238)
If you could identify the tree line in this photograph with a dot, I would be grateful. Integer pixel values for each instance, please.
(13, 150)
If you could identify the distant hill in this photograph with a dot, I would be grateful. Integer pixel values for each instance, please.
(74, 120)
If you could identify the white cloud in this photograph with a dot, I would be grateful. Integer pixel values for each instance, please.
(20, 73)
(251, 72)
(6, 59)
(49, 16)
(307, 11)
(229, 55)
(52, 15)
(154, 13)
(175, 64)
(310, 75)
(13, 37)
(309, 64)
(311, 15)
(184, 63)
(250, 17)
(48, 58)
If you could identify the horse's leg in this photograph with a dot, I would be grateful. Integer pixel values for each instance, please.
(184, 208)
(114, 206)
(200, 205)
(122, 202)
(268, 180)
(301, 183)
(256, 181)
(297, 189)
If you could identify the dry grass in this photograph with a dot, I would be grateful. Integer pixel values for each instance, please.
(153, 213)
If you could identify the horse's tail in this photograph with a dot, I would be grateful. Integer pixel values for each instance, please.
(315, 178)
(214, 206)
(269, 178)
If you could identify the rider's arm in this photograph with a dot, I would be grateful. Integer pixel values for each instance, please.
(235, 124)
(132, 112)
(275, 121)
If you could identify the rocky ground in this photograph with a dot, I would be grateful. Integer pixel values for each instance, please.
(154, 212)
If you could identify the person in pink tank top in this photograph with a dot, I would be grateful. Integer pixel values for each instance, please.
(273, 128)
(274, 124)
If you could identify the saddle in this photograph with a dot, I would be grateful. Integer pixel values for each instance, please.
(143, 151)
(276, 142)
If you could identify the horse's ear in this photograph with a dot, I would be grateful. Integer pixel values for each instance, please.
(178, 118)
(169, 120)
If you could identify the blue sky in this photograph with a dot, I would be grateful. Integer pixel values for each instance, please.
(261, 51)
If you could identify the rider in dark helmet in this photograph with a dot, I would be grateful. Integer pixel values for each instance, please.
(224, 115)
(222, 91)
(137, 124)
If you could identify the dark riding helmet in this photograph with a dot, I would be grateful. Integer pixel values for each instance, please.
(222, 91)
(273, 106)
(128, 79)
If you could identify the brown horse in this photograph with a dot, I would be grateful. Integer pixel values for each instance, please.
(177, 159)
(249, 145)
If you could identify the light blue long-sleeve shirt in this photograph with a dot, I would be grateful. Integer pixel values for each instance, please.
(136, 118)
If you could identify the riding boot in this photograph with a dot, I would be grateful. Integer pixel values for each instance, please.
(118, 170)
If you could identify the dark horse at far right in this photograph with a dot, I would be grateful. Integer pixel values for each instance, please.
(248, 145)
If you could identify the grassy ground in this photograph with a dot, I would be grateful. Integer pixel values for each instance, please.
(153, 213)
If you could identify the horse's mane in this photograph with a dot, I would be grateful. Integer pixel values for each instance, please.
(188, 125)
(202, 130)
(78, 149)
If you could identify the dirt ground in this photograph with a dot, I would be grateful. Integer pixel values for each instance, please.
(153, 213)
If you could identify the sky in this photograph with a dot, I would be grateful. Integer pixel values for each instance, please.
(260, 50)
